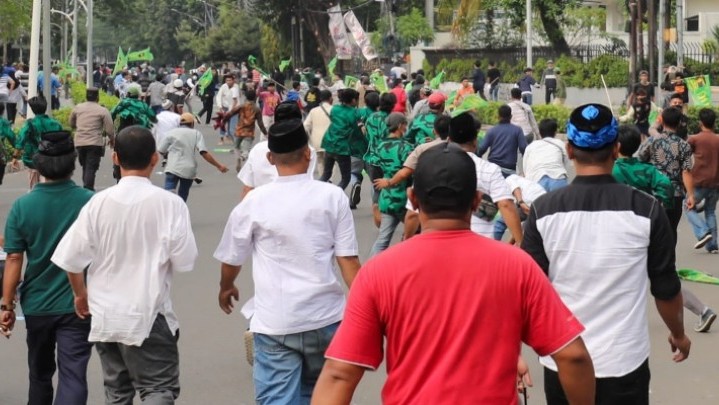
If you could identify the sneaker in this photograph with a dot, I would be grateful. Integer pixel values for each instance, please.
(355, 194)
(703, 240)
(198, 180)
(705, 321)
(714, 251)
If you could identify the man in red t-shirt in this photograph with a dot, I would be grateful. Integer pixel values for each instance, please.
(454, 308)
(398, 91)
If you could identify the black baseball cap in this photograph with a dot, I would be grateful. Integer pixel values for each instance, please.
(445, 176)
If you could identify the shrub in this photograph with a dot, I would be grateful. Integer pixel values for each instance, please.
(63, 116)
(559, 113)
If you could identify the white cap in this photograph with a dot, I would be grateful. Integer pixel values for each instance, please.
(177, 83)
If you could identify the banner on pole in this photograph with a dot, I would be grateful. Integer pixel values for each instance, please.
(360, 36)
(700, 90)
(339, 33)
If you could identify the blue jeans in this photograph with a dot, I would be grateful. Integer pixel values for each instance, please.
(171, 181)
(499, 227)
(494, 92)
(527, 98)
(551, 184)
(357, 166)
(287, 366)
(386, 231)
(708, 224)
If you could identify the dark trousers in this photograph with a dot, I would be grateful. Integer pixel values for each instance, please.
(54, 102)
(375, 172)
(11, 109)
(89, 157)
(153, 369)
(171, 182)
(548, 95)
(69, 333)
(345, 165)
(630, 389)
(207, 104)
(675, 215)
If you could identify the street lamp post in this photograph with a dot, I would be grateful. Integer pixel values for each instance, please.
(89, 67)
(529, 33)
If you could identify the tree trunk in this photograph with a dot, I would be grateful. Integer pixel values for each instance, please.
(640, 34)
(4, 53)
(553, 30)
(652, 36)
(317, 24)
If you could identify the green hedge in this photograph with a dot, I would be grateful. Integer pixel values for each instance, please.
(77, 93)
(575, 72)
(488, 114)
(693, 114)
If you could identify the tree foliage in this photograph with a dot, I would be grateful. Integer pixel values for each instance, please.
(413, 27)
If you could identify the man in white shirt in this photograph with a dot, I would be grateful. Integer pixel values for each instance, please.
(525, 191)
(130, 264)
(292, 228)
(167, 120)
(227, 98)
(317, 123)
(180, 145)
(545, 161)
(523, 116)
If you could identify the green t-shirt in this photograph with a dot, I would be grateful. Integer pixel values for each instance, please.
(7, 139)
(35, 224)
(29, 137)
(644, 177)
(376, 132)
(364, 113)
(421, 130)
(392, 153)
(344, 136)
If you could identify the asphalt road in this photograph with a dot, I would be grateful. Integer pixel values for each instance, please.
(212, 359)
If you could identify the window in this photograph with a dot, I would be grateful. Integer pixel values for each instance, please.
(693, 24)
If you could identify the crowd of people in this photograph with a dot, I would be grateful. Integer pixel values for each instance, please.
(577, 298)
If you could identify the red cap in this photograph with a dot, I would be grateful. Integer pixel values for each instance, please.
(436, 99)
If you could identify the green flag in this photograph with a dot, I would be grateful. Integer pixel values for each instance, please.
(331, 66)
(700, 90)
(144, 54)
(697, 276)
(205, 80)
(351, 81)
(120, 62)
(378, 82)
(471, 102)
(285, 64)
(252, 61)
(437, 80)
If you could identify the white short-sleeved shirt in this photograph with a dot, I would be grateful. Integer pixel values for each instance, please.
(133, 236)
(530, 190)
(491, 182)
(166, 121)
(545, 157)
(293, 228)
(180, 144)
(258, 171)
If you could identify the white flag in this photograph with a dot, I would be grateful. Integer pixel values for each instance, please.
(339, 33)
(360, 36)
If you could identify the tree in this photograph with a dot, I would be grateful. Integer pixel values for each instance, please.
(15, 16)
(413, 27)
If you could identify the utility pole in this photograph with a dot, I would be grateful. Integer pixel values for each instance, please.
(660, 56)
(63, 49)
(73, 60)
(640, 35)
(46, 48)
(34, 51)
(652, 38)
(90, 58)
(429, 12)
(529, 33)
(680, 33)
(632, 42)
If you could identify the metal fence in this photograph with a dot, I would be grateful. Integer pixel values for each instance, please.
(698, 52)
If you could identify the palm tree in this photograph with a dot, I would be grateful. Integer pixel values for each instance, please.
(466, 17)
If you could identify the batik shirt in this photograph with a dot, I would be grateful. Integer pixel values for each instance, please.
(392, 153)
(29, 137)
(376, 128)
(421, 130)
(644, 177)
(671, 155)
(135, 110)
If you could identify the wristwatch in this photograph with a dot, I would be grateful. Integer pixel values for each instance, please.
(10, 307)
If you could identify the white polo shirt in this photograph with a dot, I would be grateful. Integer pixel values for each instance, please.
(166, 121)
(293, 228)
(133, 236)
(258, 171)
(491, 182)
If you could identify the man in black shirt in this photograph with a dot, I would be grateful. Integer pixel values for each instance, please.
(478, 79)
(493, 75)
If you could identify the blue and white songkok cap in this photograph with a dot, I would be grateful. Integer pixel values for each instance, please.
(592, 126)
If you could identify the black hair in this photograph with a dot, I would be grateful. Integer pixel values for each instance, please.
(676, 95)
(92, 95)
(55, 167)
(515, 93)
(272, 84)
(548, 127)
(371, 99)
(325, 95)
(707, 117)
(505, 113)
(441, 126)
(135, 147)
(229, 76)
(629, 139)
(38, 105)
(160, 77)
(387, 102)
(464, 78)
(592, 156)
(2, 109)
(420, 72)
(315, 82)
(671, 117)
(295, 85)
(348, 95)
(640, 92)
(397, 82)
(250, 95)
